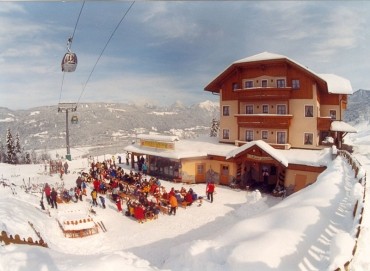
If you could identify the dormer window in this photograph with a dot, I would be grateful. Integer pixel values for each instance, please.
(248, 84)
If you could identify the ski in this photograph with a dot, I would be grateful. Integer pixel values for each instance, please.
(105, 229)
(101, 226)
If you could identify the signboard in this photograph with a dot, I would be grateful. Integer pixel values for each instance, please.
(259, 158)
(157, 144)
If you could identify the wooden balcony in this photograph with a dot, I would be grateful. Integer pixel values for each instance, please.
(323, 123)
(262, 94)
(268, 121)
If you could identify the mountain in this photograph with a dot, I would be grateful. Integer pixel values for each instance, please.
(105, 123)
(358, 107)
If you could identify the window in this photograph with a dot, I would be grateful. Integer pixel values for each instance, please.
(264, 83)
(200, 169)
(225, 134)
(296, 84)
(264, 135)
(281, 137)
(248, 84)
(280, 83)
(249, 135)
(226, 110)
(235, 86)
(308, 138)
(265, 109)
(333, 114)
(249, 109)
(281, 109)
(308, 111)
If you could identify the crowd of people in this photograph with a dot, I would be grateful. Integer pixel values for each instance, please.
(144, 195)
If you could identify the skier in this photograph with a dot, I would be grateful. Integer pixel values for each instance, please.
(118, 204)
(102, 200)
(94, 195)
(53, 198)
(47, 191)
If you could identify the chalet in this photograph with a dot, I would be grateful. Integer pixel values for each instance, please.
(275, 116)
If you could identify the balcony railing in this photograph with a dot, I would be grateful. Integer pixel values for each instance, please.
(263, 93)
(268, 121)
(323, 123)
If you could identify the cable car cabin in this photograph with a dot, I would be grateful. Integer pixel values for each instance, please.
(69, 62)
(74, 120)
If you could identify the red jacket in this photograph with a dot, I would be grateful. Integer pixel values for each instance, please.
(47, 190)
(188, 198)
(210, 187)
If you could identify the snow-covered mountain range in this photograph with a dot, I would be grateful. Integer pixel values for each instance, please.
(116, 125)
(105, 123)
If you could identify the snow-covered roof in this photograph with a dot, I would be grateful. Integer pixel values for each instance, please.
(336, 84)
(316, 158)
(199, 147)
(274, 153)
(261, 57)
(158, 137)
(204, 146)
(341, 126)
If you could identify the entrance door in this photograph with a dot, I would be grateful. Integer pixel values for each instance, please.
(224, 176)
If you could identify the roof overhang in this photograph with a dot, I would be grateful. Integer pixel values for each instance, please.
(341, 126)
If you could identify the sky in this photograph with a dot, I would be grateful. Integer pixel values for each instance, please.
(313, 229)
(167, 51)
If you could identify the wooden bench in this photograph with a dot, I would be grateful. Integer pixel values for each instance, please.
(164, 209)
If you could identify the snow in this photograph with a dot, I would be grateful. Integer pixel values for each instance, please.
(7, 120)
(336, 84)
(313, 229)
(342, 127)
(265, 147)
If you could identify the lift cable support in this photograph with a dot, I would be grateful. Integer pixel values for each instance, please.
(67, 107)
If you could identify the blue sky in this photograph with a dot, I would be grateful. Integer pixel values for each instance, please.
(168, 51)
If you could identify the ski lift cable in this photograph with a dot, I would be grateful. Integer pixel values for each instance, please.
(69, 44)
(106, 45)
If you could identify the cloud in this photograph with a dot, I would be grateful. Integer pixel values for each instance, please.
(9, 7)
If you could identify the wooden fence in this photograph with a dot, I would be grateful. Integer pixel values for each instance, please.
(356, 166)
(17, 240)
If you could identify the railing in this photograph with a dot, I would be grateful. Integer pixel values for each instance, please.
(356, 166)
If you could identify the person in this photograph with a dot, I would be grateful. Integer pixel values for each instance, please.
(210, 190)
(119, 159)
(65, 167)
(53, 198)
(173, 204)
(118, 204)
(78, 194)
(145, 168)
(139, 213)
(94, 195)
(102, 200)
(188, 198)
(83, 186)
(47, 191)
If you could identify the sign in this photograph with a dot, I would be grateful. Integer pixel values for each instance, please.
(157, 144)
(259, 158)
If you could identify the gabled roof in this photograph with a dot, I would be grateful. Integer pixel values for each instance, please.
(334, 83)
(274, 153)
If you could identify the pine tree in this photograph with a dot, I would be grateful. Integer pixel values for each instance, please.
(18, 148)
(2, 152)
(214, 128)
(10, 154)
